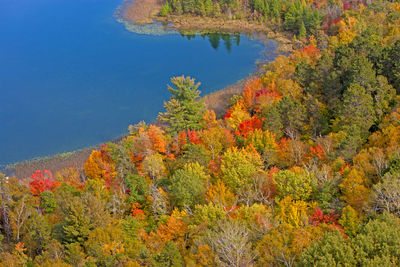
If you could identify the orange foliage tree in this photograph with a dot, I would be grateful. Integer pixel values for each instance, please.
(99, 165)
(174, 230)
(249, 92)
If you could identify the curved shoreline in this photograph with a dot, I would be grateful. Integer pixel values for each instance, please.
(139, 14)
(216, 100)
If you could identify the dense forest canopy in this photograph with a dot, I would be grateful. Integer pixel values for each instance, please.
(302, 170)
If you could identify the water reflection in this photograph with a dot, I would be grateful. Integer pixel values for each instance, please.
(164, 28)
(215, 39)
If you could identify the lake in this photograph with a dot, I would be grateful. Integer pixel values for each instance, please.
(71, 76)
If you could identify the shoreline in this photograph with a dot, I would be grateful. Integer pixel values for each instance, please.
(75, 159)
(185, 24)
(137, 14)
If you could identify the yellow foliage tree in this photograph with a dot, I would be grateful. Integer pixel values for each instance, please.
(264, 143)
(239, 167)
(346, 31)
(216, 140)
(209, 119)
(285, 243)
(354, 191)
(294, 213)
(220, 194)
(202, 256)
(238, 115)
(99, 166)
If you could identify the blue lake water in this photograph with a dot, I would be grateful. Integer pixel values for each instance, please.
(71, 76)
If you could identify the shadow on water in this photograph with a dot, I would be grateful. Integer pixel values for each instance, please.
(215, 39)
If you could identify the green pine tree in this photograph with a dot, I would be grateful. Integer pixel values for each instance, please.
(76, 226)
(302, 30)
(165, 9)
(188, 6)
(177, 7)
(200, 8)
(209, 7)
(183, 111)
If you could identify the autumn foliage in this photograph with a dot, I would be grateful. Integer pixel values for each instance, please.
(42, 181)
(303, 169)
(319, 217)
(247, 126)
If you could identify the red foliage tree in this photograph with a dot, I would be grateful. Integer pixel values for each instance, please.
(193, 136)
(250, 125)
(214, 167)
(269, 188)
(316, 152)
(231, 211)
(137, 211)
(227, 115)
(319, 217)
(42, 181)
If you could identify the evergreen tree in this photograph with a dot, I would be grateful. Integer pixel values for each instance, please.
(258, 5)
(177, 7)
(76, 225)
(209, 7)
(200, 8)
(390, 64)
(292, 18)
(293, 114)
(217, 9)
(184, 110)
(356, 117)
(188, 6)
(37, 233)
(302, 30)
(165, 9)
(274, 122)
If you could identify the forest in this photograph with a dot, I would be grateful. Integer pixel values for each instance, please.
(302, 170)
(299, 17)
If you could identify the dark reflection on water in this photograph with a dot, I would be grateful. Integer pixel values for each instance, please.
(216, 38)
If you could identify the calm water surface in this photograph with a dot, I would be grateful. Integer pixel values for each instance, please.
(71, 76)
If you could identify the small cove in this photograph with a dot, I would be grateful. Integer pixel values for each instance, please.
(71, 76)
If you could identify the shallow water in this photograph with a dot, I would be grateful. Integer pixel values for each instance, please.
(71, 76)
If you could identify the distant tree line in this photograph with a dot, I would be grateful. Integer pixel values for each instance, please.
(297, 16)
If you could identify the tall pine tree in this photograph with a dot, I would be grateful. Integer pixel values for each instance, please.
(184, 110)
